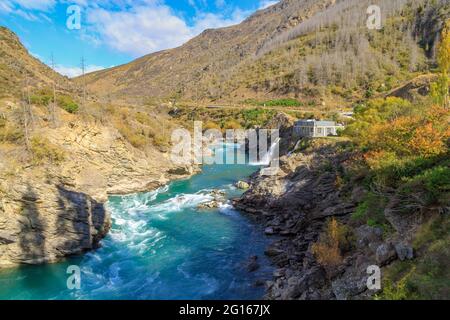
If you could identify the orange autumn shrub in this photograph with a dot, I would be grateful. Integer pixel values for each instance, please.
(327, 254)
(428, 141)
(393, 136)
(406, 141)
(416, 135)
(335, 239)
(438, 116)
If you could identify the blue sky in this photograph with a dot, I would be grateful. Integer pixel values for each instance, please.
(114, 32)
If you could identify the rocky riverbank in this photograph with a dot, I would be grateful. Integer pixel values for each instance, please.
(52, 210)
(296, 205)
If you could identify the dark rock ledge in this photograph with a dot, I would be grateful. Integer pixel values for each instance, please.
(294, 206)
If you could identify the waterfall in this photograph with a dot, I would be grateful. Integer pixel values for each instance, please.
(268, 157)
(297, 145)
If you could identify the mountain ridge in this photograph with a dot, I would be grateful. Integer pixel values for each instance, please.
(20, 69)
(213, 50)
(266, 56)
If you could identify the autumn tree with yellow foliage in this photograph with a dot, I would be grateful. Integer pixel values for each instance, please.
(440, 90)
(333, 242)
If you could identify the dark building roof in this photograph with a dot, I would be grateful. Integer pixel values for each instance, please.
(315, 123)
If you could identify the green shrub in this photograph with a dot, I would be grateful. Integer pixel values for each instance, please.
(42, 97)
(436, 183)
(361, 211)
(435, 229)
(42, 150)
(256, 117)
(282, 103)
(427, 277)
(395, 291)
(371, 212)
(67, 103)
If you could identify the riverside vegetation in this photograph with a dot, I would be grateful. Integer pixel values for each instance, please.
(376, 195)
(379, 195)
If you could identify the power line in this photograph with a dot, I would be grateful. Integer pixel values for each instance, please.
(83, 72)
(53, 105)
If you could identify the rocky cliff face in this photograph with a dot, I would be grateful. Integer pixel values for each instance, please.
(50, 210)
(42, 222)
(295, 206)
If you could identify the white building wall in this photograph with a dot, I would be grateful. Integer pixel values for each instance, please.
(304, 131)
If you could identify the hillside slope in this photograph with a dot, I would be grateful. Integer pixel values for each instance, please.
(19, 69)
(309, 49)
(214, 51)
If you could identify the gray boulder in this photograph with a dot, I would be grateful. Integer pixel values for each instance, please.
(385, 254)
(404, 251)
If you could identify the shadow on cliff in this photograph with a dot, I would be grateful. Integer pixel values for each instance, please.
(32, 241)
(31, 238)
(79, 225)
(81, 222)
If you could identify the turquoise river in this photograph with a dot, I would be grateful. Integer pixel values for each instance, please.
(162, 247)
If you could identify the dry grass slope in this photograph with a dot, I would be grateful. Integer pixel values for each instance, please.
(315, 50)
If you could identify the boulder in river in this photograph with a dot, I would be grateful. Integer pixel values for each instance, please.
(209, 205)
(243, 185)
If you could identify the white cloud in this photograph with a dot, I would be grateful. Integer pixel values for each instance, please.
(72, 72)
(135, 27)
(41, 5)
(267, 3)
(26, 15)
(140, 30)
(69, 71)
(212, 21)
(27, 9)
(5, 7)
(143, 29)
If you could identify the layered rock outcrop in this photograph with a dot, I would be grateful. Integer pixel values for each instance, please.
(52, 210)
(43, 222)
(296, 204)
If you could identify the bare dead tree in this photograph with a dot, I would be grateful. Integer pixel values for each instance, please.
(54, 103)
(83, 72)
(27, 113)
(28, 101)
(347, 14)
